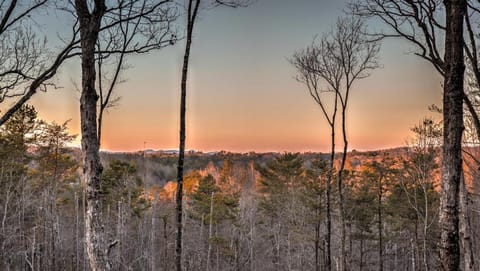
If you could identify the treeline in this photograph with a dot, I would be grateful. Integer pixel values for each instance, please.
(253, 213)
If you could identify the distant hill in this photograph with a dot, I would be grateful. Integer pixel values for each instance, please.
(158, 167)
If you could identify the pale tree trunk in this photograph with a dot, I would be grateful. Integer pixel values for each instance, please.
(412, 245)
(252, 240)
(361, 254)
(120, 233)
(210, 232)
(165, 244)
(425, 229)
(317, 237)
(465, 228)
(77, 220)
(152, 237)
(92, 167)
(453, 127)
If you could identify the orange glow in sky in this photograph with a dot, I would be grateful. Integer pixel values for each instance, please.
(242, 95)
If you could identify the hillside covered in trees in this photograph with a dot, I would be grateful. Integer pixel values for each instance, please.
(250, 211)
(412, 207)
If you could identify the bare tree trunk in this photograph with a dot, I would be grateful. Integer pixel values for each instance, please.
(152, 237)
(425, 228)
(210, 233)
(465, 229)
(453, 127)
(192, 14)
(361, 254)
(92, 167)
(343, 261)
(120, 233)
(416, 248)
(77, 220)
(380, 226)
(317, 245)
(328, 189)
(252, 240)
(165, 244)
(414, 261)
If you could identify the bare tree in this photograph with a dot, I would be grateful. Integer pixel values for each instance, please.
(21, 54)
(341, 58)
(420, 22)
(315, 66)
(26, 63)
(192, 10)
(92, 21)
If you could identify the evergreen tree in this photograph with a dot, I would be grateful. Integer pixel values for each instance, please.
(16, 213)
(280, 204)
(120, 183)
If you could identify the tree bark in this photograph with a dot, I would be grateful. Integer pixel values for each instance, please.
(192, 14)
(92, 167)
(452, 138)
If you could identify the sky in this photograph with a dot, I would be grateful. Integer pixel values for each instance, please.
(242, 95)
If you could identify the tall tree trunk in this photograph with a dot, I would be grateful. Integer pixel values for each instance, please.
(210, 233)
(361, 254)
(317, 242)
(77, 235)
(328, 188)
(465, 229)
(192, 14)
(380, 225)
(343, 261)
(452, 138)
(165, 244)
(92, 167)
(152, 236)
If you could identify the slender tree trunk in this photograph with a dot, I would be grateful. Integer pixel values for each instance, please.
(465, 229)
(192, 14)
(120, 232)
(77, 235)
(317, 245)
(252, 239)
(328, 189)
(343, 261)
(92, 167)
(210, 232)
(414, 262)
(416, 248)
(152, 237)
(425, 228)
(380, 226)
(361, 254)
(452, 138)
(165, 244)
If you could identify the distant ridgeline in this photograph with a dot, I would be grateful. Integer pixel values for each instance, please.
(159, 168)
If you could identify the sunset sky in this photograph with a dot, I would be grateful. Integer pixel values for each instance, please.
(242, 95)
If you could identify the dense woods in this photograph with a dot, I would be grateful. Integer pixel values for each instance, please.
(251, 211)
(63, 208)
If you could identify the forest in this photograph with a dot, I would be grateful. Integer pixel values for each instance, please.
(66, 207)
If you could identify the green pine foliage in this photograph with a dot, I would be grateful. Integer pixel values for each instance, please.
(120, 183)
(225, 206)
